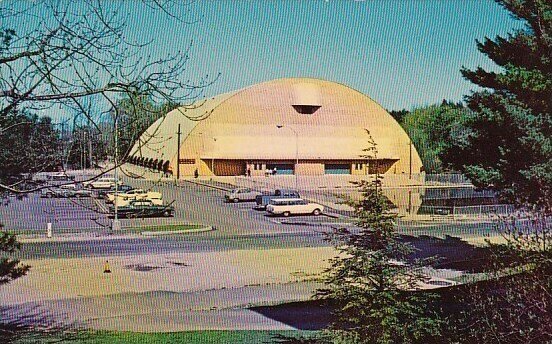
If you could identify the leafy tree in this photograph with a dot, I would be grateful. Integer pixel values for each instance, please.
(67, 55)
(431, 128)
(508, 141)
(27, 144)
(372, 280)
(137, 113)
(398, 115)
(86, 147)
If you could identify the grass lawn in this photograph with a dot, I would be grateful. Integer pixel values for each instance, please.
(165, 228)
(191, 337)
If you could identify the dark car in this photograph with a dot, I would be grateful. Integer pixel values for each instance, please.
(143, 208)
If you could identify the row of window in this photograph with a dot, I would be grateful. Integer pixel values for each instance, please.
(289, 202)
(259, 167)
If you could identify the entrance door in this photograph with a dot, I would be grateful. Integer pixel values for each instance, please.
(229, 168)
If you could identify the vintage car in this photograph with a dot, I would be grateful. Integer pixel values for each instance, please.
(143, 208)
(136, 194)
(60, 192)
(293, 206)
(101, 183)
(241, 194)
(109, 195)
(264, 199)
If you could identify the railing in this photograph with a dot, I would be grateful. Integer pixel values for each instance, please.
(446, 178)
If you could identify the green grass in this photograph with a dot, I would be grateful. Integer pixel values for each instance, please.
(133, 229)
(166, 228)
(191, 337)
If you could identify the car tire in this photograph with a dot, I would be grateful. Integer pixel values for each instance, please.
(166, 213)
(286, 213)
(49, 195)
(316, 212)
(236, 200)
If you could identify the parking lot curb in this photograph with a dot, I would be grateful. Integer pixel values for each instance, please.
(182, 231)
(87, 236)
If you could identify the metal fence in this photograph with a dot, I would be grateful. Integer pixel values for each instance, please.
(446, 178)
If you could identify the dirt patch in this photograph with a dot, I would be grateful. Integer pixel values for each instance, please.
(142, 267)
(179, 263)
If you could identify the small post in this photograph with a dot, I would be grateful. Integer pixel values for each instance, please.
(49, 230)
(107, 270)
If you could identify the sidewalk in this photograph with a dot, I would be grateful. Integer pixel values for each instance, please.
(163, 311)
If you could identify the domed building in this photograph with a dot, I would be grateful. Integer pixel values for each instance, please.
(297, 126)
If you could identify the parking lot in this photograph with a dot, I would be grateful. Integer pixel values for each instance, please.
(193, 204)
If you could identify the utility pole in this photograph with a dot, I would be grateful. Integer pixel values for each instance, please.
(410, 159)
(90, 142)
(178, 154)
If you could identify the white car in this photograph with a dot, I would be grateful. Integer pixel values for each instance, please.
(293, 206)
(241, 194)
(136, 194)
(100, 183)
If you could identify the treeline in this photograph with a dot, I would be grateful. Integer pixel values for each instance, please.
(31, 144)
(433, 130)
(28, 144)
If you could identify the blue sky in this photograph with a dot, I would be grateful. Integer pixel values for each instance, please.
(400, 53)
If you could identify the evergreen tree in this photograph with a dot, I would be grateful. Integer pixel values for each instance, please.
(508, 142)
(373, 281)
(507, 146)
(10, 268)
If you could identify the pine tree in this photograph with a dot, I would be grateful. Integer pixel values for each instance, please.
(10, 268)
(372, 280)
(508, 145)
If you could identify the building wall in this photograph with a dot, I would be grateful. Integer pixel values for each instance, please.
(310, 168)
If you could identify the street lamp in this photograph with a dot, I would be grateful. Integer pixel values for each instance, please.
(116, 225)
(280, 126)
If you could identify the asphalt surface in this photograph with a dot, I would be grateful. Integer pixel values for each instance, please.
(193, 204)
(237, 226)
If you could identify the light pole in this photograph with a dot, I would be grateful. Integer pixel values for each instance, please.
(280, 126)
(115, 225)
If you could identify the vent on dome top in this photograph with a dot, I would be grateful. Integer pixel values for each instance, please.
(306, 109)
(306, 98)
